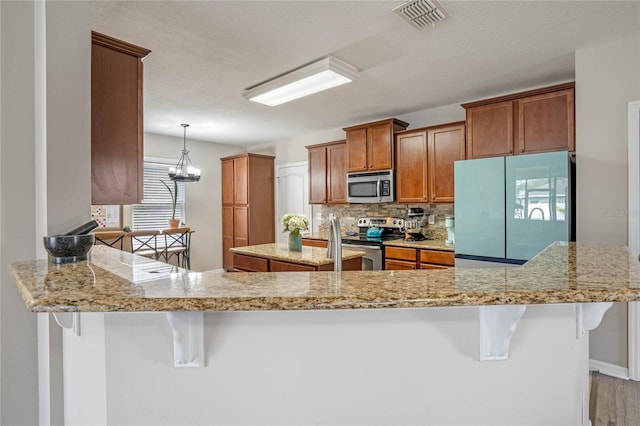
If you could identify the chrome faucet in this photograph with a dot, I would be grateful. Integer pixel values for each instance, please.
(334, 247)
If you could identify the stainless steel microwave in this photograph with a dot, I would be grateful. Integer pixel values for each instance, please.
(370, 187)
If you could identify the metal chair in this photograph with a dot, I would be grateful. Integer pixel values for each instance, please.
(113, 239)
(144, 243)
(177, 242)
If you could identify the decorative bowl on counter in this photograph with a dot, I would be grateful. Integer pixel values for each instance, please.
(68, 248)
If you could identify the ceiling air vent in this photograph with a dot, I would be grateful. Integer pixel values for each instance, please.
(421, 13)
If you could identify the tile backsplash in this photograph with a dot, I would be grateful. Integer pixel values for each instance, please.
(350, 213)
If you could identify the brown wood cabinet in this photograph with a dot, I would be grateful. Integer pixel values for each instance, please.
(116, 121)
(405, 258)
(248, 213)
(371, 146)
(311, 242)
(246, 263)
(538, 120)
(327, 173)
(424, 163)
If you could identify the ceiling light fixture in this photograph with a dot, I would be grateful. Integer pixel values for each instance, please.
(184, 170)
(311, 78)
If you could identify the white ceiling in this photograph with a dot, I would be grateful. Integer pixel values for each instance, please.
(205, 53)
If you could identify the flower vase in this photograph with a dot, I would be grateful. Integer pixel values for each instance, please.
(295, 242)
(174, 223)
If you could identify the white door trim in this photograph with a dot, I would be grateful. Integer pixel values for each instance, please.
(633, 217)
(279, 167)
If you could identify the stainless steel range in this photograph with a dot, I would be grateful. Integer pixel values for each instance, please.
(372, 232)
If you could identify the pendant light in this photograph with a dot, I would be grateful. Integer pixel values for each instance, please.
(184, 170)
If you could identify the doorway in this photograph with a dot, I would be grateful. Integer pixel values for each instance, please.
(292, 194)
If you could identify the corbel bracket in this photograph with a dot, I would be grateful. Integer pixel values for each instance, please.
(497, 325)
(589, 316)
(188, 338)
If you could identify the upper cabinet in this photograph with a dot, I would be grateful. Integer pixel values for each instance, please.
(327, 173)
(539, 120)
(424, 163)
(116, 121)
(370, 146)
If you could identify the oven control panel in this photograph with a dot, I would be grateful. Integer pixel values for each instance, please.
(381, 222)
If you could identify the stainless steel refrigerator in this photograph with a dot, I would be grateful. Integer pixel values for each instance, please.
(508, 209)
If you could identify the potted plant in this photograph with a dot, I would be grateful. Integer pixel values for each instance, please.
(294, 223)
(173, 222)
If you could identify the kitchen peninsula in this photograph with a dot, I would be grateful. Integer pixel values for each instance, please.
(339, 350)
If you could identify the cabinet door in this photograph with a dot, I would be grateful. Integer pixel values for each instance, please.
(227, 181)
(336, 174)
(446, 145)
(227, 237)
(357, 150)
(240, 226)
(411, 168)
(490, 130)
(546, 122)
(380, 147)
(398, 265)
(317, 175)
(240, 180)
(116, 127)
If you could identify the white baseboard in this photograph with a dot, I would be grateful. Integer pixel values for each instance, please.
(609, 369)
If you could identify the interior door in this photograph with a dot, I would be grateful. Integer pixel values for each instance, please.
(292, 194)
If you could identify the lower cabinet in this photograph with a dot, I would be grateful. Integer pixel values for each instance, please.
(244, 263)
(404, 258)
(314, 243)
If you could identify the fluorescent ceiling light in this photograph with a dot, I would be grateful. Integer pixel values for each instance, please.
(312, 78)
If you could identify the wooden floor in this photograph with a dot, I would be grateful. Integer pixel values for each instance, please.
(614, 401)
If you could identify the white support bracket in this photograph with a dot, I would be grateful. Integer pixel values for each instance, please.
(188, 338)
(589, 316)
(497, 325)
(68, 320)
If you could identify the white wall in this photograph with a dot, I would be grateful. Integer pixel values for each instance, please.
(607, 78)
(18, 373)
(381, 366)
(202, 199)
(44, 157)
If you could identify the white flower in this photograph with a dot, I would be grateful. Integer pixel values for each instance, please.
(294, 223)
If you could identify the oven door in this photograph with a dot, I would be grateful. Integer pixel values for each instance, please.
(372, 260)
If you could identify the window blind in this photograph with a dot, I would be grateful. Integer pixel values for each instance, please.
(155, 209)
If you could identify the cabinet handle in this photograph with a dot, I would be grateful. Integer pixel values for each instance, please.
(511, 151)
(433, 197)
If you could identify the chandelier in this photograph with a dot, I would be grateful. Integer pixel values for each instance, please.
(184, 170)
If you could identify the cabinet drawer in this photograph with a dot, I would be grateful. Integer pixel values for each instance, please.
(250, 263)
(437, 257)
(398, 265)
(400, 253)
(431, 266)
(314, 243)
(277, 266)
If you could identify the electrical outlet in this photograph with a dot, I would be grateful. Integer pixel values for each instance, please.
(432, 219)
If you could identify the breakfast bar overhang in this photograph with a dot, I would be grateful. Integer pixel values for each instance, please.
(385, 347)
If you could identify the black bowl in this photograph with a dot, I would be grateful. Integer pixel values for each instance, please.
(68, 248)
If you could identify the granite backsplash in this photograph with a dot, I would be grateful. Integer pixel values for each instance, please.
(350, 213)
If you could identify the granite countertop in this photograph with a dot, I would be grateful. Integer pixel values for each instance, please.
(313, 256)
(117, 281)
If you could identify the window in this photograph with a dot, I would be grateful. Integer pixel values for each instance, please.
(155, 210)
